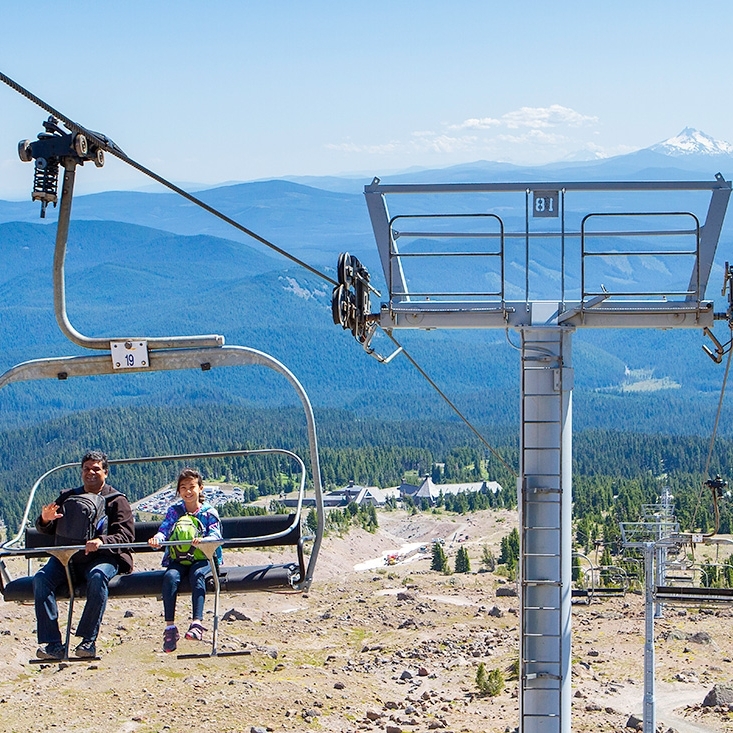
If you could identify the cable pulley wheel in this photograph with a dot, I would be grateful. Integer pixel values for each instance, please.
(345, 269)
(342, 307)
(81, 146)
(24, 151)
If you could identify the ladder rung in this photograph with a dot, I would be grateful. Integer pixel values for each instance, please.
(542, 582)
(542, 676)
(543, 636)
(539, 661)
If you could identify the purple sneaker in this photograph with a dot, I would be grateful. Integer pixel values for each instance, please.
(170, 637)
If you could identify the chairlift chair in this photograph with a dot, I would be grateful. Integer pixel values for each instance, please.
(129, 355)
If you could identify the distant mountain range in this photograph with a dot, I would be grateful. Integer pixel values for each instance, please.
(154, 264)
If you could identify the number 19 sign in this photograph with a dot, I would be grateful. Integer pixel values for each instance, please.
(129, 354)
(546, 203)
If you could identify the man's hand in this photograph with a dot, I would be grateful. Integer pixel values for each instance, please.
(93, 545)
(50, 512)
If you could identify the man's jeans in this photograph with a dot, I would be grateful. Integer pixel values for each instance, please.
(197, 572)
(50, 578)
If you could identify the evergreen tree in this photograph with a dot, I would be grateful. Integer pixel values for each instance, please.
(577, 574)
(487, 559)
(463, 564)
(311, 521)
(491, 683)
(510, 548)
(440, 561)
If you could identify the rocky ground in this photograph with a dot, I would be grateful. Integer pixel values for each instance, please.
(380, 649)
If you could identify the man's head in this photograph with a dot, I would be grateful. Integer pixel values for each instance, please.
(94, 470)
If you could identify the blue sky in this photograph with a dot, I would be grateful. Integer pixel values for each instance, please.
(230, 91)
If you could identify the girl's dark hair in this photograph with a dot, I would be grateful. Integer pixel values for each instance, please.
(189, 473)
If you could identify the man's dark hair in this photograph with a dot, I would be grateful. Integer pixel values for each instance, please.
(96, 455)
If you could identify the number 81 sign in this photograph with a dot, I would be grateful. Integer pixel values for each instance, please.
(546, 203)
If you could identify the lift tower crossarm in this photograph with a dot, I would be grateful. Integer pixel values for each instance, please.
(680, 308)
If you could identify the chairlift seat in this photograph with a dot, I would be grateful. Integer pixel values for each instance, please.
(238, 532)
(693, 595)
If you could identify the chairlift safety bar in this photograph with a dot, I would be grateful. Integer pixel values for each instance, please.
(8, 546)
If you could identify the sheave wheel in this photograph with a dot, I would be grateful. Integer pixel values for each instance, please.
(81, 146)
(345, 269)
(24, 151)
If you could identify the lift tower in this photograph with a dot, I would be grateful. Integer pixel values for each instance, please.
(540, 259)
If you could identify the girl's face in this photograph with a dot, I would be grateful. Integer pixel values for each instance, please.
(190, 491)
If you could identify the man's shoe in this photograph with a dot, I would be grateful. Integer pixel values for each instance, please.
(87, 648)
(54, 650)
(170, 639)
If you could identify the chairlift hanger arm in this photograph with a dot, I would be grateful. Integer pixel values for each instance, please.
(59, 287)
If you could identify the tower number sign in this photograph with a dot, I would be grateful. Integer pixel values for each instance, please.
(129, 354)
(546, 203)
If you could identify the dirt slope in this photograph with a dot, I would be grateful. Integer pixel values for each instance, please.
(386, 648)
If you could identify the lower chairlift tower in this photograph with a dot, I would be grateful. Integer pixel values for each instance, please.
(540, 259)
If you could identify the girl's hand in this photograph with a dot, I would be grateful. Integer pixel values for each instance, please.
(154, 542)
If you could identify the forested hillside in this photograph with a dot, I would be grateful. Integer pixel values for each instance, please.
(125, 279)
(614, 473)
(644, 402)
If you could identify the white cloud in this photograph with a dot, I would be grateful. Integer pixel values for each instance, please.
(477, 123)
(533, 117)
(441, 143)
(534, 136)
(526, 135)
(551, 116)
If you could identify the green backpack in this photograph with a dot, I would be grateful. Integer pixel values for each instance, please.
(186, 529)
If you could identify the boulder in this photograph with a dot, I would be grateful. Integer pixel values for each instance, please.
(719, 695)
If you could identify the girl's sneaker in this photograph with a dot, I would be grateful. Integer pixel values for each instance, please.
(170, 637)
(195, 632)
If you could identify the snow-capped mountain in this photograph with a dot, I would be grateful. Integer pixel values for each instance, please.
(692, 142)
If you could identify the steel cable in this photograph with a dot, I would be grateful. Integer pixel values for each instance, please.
(110, 147)
(710, 451)
(448, 401)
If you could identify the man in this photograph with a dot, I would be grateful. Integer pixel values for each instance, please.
(95, 564)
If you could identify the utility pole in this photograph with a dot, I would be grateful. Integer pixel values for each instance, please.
(656, 533)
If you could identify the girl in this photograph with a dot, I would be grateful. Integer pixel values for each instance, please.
(193, 564)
